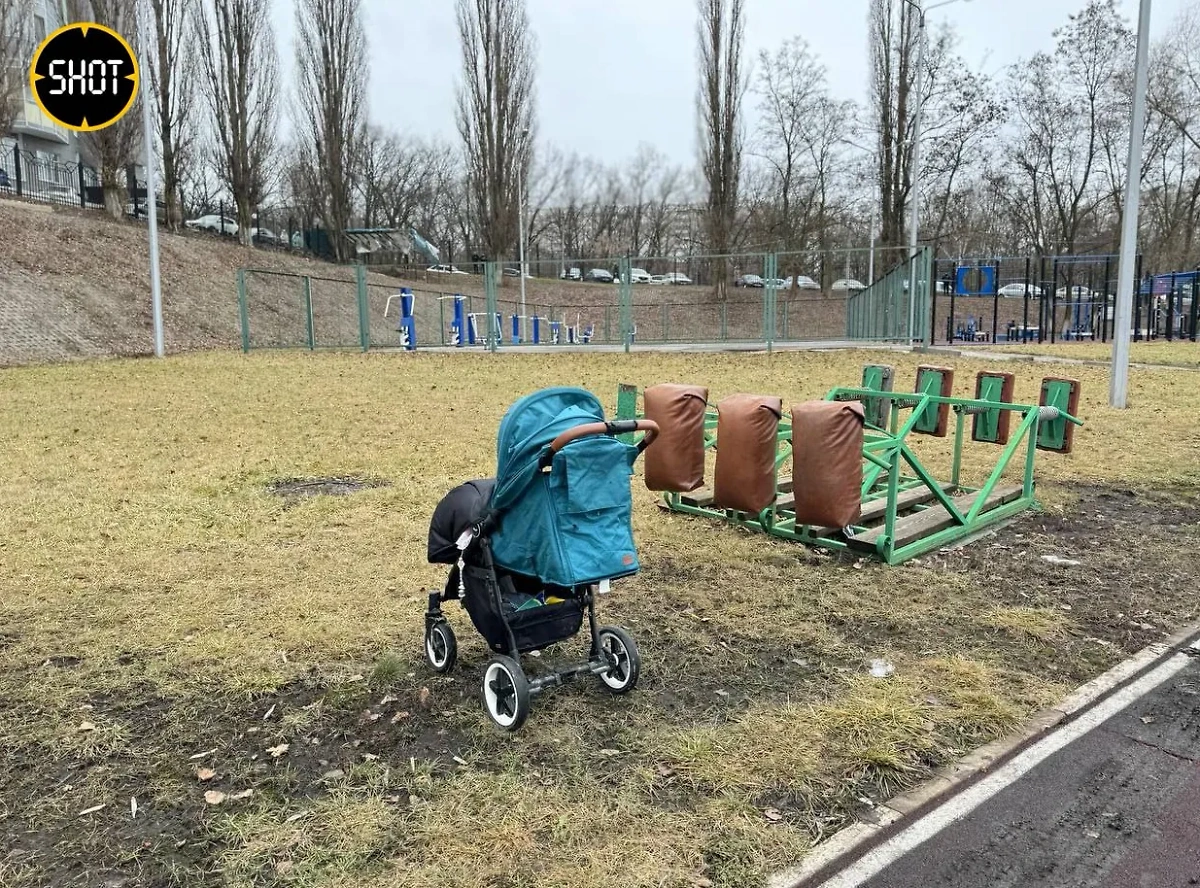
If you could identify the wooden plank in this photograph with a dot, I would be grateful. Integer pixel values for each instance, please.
(929, 521)
(876, 508)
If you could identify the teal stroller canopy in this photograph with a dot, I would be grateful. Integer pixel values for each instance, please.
(563, 517)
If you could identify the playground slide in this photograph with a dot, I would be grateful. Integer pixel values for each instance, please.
(424, 247)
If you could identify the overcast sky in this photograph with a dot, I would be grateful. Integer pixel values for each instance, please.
(613, 73)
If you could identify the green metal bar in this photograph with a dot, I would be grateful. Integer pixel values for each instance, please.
(889, 519)
(931, 483)
(243, 310)
(1027, 483)
(364, 323)
(1027, 427)
(625, 294)
(308, 314)
(951, 534)
(956, 465)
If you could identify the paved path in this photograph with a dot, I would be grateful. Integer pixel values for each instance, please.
(1115, 805)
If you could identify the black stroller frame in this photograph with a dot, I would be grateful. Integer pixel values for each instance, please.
(480, 586)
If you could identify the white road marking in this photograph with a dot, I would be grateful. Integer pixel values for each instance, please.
(962, 804)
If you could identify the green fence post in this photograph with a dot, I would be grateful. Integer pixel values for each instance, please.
(364, 323)
(308, 313)
(664, 322)
(770, 263)
(489, 288)
(626, 294)
(725, 321)
(243, 310)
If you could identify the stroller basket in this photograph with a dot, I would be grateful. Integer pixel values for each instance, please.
(533, 628)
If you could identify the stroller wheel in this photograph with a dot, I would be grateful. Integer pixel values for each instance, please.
(506, 693)
(620, 650)
(441, 648)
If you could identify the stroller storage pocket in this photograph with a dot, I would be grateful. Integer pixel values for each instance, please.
(534, 627)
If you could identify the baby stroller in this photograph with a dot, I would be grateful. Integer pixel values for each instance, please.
(532, 547)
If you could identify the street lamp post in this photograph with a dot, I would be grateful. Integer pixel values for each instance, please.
(521, 233)
(1119, 383)
(916, 158)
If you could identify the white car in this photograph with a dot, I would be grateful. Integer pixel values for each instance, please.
(444, 269)
(213, 222)
(639, 275)
(848, 284)
(801, 282)
(571, 274)
(658, 280)
(676, 277)
(1016, 290)
(1077, 291)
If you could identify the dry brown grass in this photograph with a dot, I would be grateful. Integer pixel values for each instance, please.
(142, 555)
(1159, 352)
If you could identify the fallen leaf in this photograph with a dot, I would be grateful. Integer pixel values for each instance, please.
(200, 755)
(665, 770)
(773, 815)
(461, 761)
(354, 678)
(370, 757)
(214, 797)
(205, 774)
(270, 712)
(277, 751)
(388, 699)
(244, 794)
(296, 816)
(368, 717)
(399, 716)
(1148, 719)
(425, 698)
(87, 726)
(87, 811)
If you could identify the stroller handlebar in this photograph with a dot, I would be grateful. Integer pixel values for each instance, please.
(619, 427)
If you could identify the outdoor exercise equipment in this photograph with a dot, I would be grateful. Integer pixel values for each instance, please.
(407, 327)
(862, 488)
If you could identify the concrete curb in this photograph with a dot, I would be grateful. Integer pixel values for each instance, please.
(830, 855)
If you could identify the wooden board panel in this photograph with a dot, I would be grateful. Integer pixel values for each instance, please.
(703, 498)
(877, 508)
(929, 521)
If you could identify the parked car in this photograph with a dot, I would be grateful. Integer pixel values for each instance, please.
(214, 223)
(801, 282)
(677, 278)
(516, 273)
(444, 269)
(749, 280)
(1016, 290)
(600, 276)
(639, 275)
(266, 236)
(848, 284)
(1078, 291)
(658, 280)
(571, 274)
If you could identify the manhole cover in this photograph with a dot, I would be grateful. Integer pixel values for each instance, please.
(299, 487)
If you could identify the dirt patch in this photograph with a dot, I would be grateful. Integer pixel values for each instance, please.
(300, 488)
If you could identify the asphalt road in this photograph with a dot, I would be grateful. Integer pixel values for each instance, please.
(1117, 808)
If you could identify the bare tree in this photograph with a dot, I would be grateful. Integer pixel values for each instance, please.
(115, 147)
(173, 80)
(331, 102)
(495, 113)
(241, 87)
(721, 32)
(15, 49)
(894, 32)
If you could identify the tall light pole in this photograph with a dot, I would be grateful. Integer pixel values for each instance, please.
(1123, 319)
(521, 231)
(151, 200)
(916, 159)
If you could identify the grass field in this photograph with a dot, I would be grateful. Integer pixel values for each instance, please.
(171, 628)
(1161, 352)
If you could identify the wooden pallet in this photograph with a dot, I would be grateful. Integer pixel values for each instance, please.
(929, 521)
(703, 498)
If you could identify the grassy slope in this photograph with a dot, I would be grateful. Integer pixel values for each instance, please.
(151, 587)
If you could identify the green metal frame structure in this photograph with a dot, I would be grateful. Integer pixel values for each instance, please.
(906, 511)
